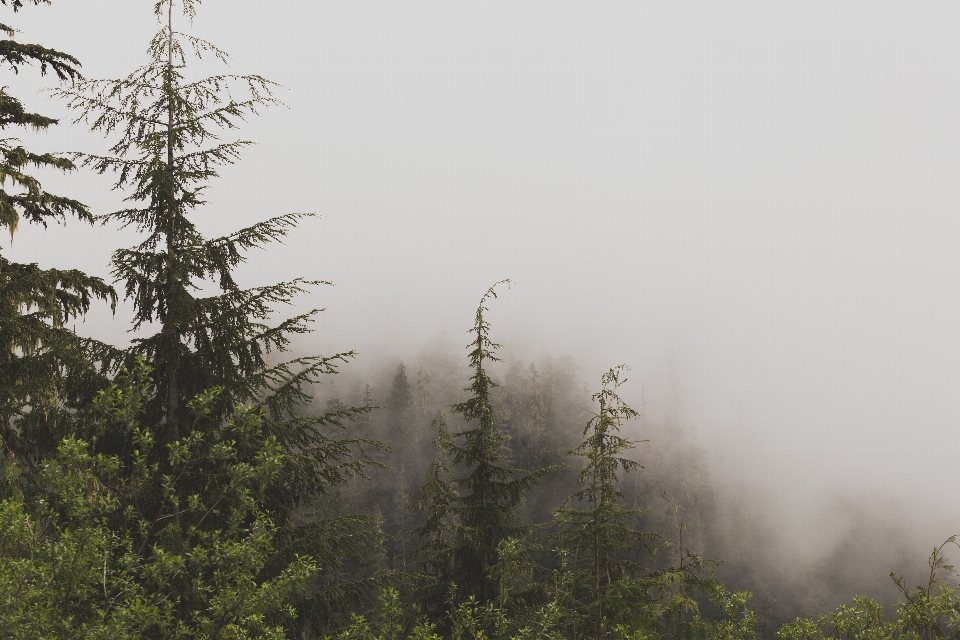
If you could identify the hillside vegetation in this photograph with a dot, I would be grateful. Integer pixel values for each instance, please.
(196, 484)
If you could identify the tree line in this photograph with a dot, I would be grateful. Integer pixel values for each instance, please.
(190, 485)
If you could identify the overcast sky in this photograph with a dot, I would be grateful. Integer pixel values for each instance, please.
(754, 204)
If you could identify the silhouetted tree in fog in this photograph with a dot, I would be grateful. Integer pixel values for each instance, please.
(401, 396)
(438, 502)
(596, 524)
(491, 491)
(46, 370)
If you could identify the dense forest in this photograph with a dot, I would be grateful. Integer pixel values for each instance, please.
(206, 482)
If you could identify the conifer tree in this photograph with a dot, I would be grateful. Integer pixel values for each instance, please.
(438, 500)
(400, 437)
(168, 129)
(597, 524)
(169, 133)
(491, 491)
(422, 391)
(401, 396)
(46, 370)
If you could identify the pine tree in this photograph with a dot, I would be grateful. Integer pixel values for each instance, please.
(598, 524)
(46, 370)
(491, 491)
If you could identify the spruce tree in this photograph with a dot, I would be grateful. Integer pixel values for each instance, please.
(491, 491)
(46, 370)
(595, 523)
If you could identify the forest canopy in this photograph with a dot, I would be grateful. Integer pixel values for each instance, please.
(205, 481)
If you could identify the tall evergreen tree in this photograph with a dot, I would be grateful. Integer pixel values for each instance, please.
(597, 524)
(401, 396)
(46, 370)
(168, 129)
(491, 491)
(438, 501)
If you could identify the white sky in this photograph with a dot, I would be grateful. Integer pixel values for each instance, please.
(755, 202)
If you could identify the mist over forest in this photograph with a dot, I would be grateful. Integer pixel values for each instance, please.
(263, 376)
(793, 566)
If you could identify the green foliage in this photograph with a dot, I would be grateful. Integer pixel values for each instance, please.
(46, 371)
(473, 620)
(27, 199)
(931, 611)
(389, 625)
(167, 128)
(169, 133)
(93, 559)
(924, 612)
(664, 602)
(438, 501)
(208, 501)
(737, 622)
(601, 533)
(599, 588)
(491, 491)
(863, 620)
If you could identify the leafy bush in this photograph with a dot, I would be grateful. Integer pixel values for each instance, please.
(92, 559)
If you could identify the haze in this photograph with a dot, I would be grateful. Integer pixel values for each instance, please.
(754, 204)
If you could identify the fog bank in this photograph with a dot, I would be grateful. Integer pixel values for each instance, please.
(753, 204)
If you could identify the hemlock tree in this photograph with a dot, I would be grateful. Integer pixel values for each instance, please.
(596, 525)
(168, 148)
(168, 129)
(46, 370)
(490, 491)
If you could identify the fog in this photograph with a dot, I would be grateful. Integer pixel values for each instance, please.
(753, 204)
